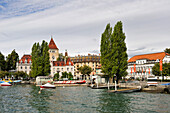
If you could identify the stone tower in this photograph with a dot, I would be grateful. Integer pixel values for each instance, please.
(53, 50)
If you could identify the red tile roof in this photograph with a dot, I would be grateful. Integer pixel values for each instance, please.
(52, 45)
(58, 63)
(62, 63)
(28, 57)
(69, 62)
(153, 56)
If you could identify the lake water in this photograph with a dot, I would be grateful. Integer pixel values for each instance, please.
(26, 99)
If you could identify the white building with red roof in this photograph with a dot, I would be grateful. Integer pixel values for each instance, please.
(24, 64)
(59, 66)
(140, 66)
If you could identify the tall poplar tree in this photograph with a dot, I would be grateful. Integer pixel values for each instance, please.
(105, 50)
(119, 52)
(40, 59)
(113, 51)
(2, 62)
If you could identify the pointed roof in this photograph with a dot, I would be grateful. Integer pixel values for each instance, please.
(52, 44)
(153, 56)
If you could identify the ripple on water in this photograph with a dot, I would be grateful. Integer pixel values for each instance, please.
(25, 98)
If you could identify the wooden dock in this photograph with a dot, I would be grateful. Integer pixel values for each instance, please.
(127, 90)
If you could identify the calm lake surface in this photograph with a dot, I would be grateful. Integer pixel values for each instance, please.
(25, 99)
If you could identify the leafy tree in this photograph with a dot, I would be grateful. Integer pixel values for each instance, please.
(19, 74)
(156, 70)
(85, 70)
(56, 76)
(2, 62)
(105, 49)
(165, 69)
(64, 75)
(3, 74)
(11, 60)
(40, 59)
(70, 76)
(113, 51)
(167, 50)
(119, 52)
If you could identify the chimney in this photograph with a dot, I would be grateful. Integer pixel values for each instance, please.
(66, 54)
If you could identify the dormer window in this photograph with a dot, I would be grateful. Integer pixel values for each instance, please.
(157, 60)
(21, 62)
(25, 61)
(30, 61)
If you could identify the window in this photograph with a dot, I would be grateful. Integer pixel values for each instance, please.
(25, 61)
(30, 67)
(25, 67)
(21, 67)
(67, 69)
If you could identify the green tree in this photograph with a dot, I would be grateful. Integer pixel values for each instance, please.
(105, 49)
(165, 69)
(167, 50)
(156, 70)
(64, 75)
(2, 62)
(114, 52)
(85, 70)
(20, 74)
(40, 59)
(70, 76)
(56, 76)
(3, 74)
(118, 52)
(11, 60)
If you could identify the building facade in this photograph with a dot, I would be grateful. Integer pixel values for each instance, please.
(92, 61)
(140, 66)
(24, 64)
(59, 66)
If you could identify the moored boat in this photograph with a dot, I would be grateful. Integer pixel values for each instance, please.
(6, 84)
(48, 85)
(70, 82)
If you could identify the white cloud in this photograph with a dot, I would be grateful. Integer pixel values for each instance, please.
(75, 24)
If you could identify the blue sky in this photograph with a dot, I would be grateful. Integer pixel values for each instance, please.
(77, 25)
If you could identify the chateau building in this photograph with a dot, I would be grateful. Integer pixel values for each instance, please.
(140, 66)
(91, 60)
(24, 64)
(65, 65)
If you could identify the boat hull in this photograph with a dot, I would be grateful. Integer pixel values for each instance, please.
(47, 87)
(5, 84)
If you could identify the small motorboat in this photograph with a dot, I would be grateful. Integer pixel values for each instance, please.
(48, 85)
(80, 82)
(5, 84)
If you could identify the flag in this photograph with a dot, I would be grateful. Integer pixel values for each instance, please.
(131, 70)
(134, 67)
(142, 70)
(160, 65)
(149, 71)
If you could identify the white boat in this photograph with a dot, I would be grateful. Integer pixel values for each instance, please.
(5, 84)
(48, 85)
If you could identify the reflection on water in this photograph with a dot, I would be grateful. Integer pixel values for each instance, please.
(25, 98)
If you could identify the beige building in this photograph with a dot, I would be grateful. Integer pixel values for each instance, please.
(91, 60)
(24, 64)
